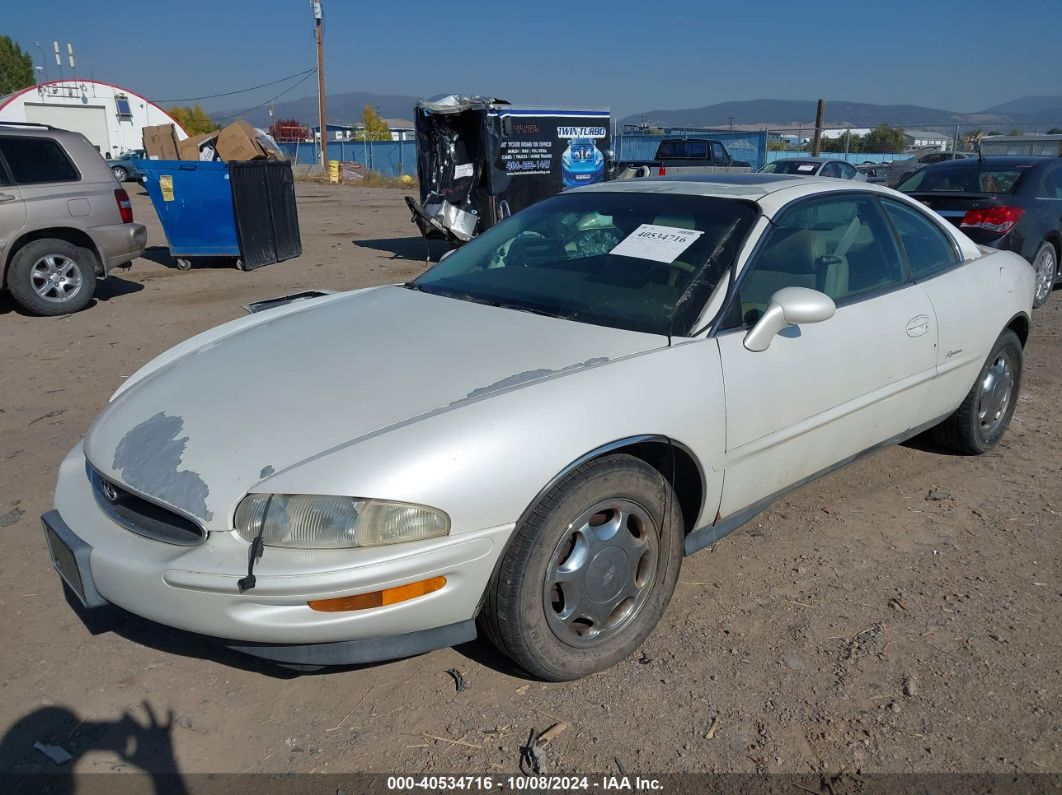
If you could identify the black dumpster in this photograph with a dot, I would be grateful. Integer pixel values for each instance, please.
(267, 221)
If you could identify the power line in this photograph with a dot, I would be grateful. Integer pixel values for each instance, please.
(242, 90)
(271, 99)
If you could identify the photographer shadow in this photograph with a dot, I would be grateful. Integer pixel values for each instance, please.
(35, 749)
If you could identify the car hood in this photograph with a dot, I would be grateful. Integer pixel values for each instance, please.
(197, 431)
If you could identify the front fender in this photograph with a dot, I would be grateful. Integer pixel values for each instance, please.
(485, 459)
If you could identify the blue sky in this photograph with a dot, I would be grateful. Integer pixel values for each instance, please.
(958, 55)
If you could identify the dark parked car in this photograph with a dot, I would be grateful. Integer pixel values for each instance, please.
(813, 167)
(899, 170)
(1009, 203)
(122, 166)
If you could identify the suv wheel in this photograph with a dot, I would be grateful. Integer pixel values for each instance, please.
(120, 173)
(52, 277)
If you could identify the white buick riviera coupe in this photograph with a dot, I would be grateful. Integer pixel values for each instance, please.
(528, 438)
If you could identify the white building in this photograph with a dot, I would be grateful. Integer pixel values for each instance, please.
(929, 139)
(111, 117)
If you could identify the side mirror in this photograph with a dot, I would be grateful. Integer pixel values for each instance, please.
(790, 306)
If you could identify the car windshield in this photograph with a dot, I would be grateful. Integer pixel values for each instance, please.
(964, 179)
(637, 261)
(791, 166)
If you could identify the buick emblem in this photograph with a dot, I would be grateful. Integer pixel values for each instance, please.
(109, 491)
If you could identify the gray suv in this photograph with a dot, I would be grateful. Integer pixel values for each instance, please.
(64, 221)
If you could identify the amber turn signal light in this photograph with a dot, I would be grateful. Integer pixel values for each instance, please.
(389, 596)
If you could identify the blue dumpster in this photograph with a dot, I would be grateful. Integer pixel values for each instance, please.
(244, 209)
(194, 203)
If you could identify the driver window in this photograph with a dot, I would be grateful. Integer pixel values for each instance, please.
(840, 246)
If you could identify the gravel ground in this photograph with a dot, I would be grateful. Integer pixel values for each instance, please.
(900, 615)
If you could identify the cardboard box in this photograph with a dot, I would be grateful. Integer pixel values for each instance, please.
(192, 148)
(160, 142)
(239, 141)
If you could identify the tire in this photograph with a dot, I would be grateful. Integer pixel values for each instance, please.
(982, 419)
(1045, 263)
(612, 514)
(52, 277)
(120, 173)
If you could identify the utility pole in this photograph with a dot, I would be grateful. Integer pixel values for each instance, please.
(820, 111)
(318, 34)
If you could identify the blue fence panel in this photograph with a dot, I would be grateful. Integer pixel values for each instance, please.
(390, 158)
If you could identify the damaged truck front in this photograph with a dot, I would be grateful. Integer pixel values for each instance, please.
(479, 160)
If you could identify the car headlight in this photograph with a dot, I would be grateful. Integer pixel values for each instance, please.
(307, 521)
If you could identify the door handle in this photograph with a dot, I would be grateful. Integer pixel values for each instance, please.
(7, 197)
(917, 326)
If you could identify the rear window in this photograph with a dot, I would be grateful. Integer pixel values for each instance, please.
(36, 160)
(964, 179)
(680, 149)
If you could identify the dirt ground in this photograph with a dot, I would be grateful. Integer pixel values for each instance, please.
(901, 615)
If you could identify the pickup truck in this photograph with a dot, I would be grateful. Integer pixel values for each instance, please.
(682, 156)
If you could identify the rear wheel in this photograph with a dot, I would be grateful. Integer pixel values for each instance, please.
(120, 173)
(1045, 263)
(52, 277)
(984, 415)
(589, 573)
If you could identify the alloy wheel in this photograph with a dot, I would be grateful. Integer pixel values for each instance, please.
(601, 572)
(56, 278)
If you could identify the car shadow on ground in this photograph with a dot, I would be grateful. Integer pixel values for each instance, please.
(416, 248)
(924, 443)
(40, 750)
(111, 287)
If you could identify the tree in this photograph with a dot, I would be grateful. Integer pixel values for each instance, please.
(1015, 131)
(1055, 131)
(375, 128)
(777, 145)
(16, 67)
(884, 138)
(845, 142)
(289, 130)
(194, 120)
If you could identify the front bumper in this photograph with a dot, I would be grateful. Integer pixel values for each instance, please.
(119, 243)
(194, 588)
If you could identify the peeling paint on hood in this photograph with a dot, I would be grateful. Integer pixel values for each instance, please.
(206, 426)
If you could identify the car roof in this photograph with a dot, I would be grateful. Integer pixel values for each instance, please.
(808, 159)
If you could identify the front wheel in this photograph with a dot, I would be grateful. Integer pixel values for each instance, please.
(982, 419)
(1045, 263)
(590, 571)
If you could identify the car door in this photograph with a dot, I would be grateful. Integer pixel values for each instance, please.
(824, 392)
(12, 211)
(962, 294)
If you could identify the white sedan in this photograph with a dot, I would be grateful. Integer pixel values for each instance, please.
(528, 438)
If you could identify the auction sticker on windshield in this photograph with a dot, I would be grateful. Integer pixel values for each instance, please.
(657, 243)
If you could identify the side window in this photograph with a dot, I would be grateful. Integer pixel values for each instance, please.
(34, 160)
(831, 170)
(841, 246)
(929, 250)
(848, 171)
(1052, 185)
(717, 151)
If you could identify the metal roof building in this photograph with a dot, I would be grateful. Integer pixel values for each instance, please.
(111, 117)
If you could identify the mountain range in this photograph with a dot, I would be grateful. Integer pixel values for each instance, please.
(780, 113)
(794, 113)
